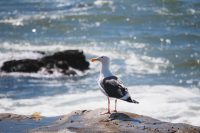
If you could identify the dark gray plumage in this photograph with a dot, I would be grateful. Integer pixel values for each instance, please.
(114, 88)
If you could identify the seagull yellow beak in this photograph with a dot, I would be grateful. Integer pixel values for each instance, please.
(94, 59)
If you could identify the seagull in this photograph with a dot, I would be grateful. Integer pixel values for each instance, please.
(110, 84)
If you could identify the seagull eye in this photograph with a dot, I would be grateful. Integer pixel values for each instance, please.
(102, 57)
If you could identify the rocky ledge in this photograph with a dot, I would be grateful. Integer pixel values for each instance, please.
(61, 61)
(92, 121)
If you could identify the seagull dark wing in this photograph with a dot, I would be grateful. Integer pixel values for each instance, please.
(113, 87)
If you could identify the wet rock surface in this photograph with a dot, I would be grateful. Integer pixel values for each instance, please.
(13, 123)
(61, 61)
(92, 121)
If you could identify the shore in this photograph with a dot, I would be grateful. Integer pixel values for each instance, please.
(90, 121)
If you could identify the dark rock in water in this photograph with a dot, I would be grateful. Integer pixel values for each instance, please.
(26, 65)
(74, 58)
(69, 72)
(60, 60)
(40, 52)
(62, 64)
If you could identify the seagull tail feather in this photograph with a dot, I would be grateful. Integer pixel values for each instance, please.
(132, 101)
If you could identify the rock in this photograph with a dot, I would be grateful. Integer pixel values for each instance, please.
(8, 116)
(69, 72)
(74, 58)
(60, 60)
(91, 121)
(62, 65)
(26, 65)
(13, 123)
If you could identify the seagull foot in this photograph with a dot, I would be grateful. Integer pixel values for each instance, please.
(115, 111)
(105, 113)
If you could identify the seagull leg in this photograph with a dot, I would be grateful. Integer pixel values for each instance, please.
(108, 107)
(115, 106)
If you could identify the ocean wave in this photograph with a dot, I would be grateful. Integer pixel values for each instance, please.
(12, 21)
(166, 12)
(61, 10)
(146, 65)
(101, 3)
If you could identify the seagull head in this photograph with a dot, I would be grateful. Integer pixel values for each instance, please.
(102, 59)
(105, 61)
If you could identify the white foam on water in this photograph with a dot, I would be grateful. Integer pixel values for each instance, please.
(166, 12)
(192, 11)
(162, 11)
(13, 21)
(168, 103)
(100, 3)
(145, 64)
(22, 20)
(129, 44)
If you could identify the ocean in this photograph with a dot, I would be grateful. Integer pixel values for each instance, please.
(154, 48)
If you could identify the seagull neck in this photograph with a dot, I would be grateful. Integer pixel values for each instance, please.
(105, 70)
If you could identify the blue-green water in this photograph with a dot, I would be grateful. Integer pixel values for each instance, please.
(154, 46)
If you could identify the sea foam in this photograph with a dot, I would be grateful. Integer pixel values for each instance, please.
(168, 103)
